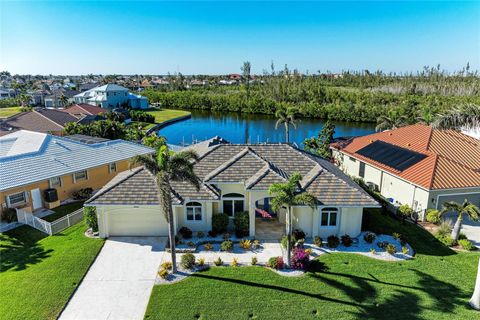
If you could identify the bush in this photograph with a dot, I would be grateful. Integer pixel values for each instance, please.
(275, 263)
(10, 215)
(218, 262)
(254, 261)
(317, 241)
(383, 244)
(284, 242)
(396, 235)
(167, 265)
(226, 245)
(256, 244)
(219, 223)
(333, 241)
(298, 234)
(234, 262)
(208, 246)
(433, 216)
(142, 116)
(405, 211)
(369, 237)
(391, 249)
(191, 244)
(187, 261)
(163, 273)
(405, 250)
(82, 194)
(245, 244)
(200, 234)
(466, 244)
(201, 262)
(462, 236)
(226, 236)
(373, 251)
(347, 240)
(90, 214)
(185, 232)
(242, 224)
(445, 239)
(445, 228)
(300, 259)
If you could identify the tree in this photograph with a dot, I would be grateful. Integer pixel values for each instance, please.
(166, 167)
(246, 76)
(391, 121)
(24, 100)
(287, 117)
(286, 195)
(321, 145)
(475, 301)
(154, 141)
(466, 208)
(466, 117)
(63, 100)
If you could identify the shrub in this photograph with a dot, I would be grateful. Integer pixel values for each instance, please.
(391, 249)
(218, 262)
(309, 251)
(90, 214)
(187, 261)
(445, 239)
(405, 211)
(82, 194)
(212, 234)
(163, 273)
(383, 244)
(141, 116)
(333, 241)
(284, 242)
(245, 244)
(201, 262)
(191, 244)
(256, 244)
(444, 229)
(405, 250)
(300, 259)
(373, 251)
(200, 234)
(317, 241)
(396, 235)
(185, 232)
(167, 265)
(275, 263)
(241, 223)
(347, 240)
(219, 223)
(234, 262)
(10, 215)
(433, 216)
(462, 236)
(254, 261)
(298, 234)
(226, 236)
(226, 245)
(466, 244)
(300, 243)
(208, 246)
(369, 237)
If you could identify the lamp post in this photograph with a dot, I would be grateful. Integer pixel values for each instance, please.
(475, 301)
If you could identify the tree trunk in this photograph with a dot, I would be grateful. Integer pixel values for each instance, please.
(289, 236)
(457, 227)
(171, 235)
(165, 199)
(475, 301)
(287, 132)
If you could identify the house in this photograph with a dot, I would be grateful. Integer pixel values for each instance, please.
(55, 100)
(82, 109)
(32, 163)
(415, 165)
(111, 96)
(7, 94)
(234, 178)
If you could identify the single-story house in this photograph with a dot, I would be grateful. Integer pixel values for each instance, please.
(32, 163)
(234, 178)
(415, 165)
(82, 109)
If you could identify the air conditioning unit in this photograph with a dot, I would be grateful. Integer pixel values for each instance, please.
(51, 195)
(373, 186)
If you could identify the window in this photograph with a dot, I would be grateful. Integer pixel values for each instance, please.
(329, 217)
(233, 203)
(79, 176)
(55, 182)
(194, 211)
(17, 198)
(112, 167)
(361, 170)
(352, 159)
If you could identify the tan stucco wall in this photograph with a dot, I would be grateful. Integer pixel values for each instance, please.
(204, 225)
(302, 219)
(350, 221)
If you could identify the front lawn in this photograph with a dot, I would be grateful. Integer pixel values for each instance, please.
(437, 284)
(167, 114)
(63, 210)
(38, 273)
(8, 112)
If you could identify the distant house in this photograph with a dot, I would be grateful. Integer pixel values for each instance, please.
(111, 96)
(80, 109)
(32, 162)
(415, 165)
(55, 99)
(7, 94)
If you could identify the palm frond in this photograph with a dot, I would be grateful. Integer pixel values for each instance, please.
(146, 161)
(466, 117)
(306, 199)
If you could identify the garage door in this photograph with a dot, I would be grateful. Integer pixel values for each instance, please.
(137, 222)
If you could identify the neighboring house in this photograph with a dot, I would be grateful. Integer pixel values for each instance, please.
(54, 100)
(39, 120)
(7, 94)
(234, 178)
(32, 162)
(415, 165)
(82, 109)
(111, 96)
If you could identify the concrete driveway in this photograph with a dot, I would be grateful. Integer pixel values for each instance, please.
(119, 283)
(472, 231)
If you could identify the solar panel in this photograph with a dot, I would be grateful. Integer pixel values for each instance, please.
(86, 139)
(390, 155)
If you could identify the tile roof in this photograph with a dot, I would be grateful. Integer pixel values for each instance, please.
(256, 166)
(42, 120)
(84, 108)
(452, 158)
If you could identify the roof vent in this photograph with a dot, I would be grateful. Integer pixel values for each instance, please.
(390, 134)
(408, 144)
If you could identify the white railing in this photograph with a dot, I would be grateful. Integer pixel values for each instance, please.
(50, 227)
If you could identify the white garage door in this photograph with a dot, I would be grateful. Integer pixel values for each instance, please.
(137, 222)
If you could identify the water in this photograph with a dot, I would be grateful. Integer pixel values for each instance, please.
(253, 128)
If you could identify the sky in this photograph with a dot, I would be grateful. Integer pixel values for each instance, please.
(155, 37)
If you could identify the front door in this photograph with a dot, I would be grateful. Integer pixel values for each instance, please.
(36, 199)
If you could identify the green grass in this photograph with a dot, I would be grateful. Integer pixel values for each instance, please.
(38, 273)
(8, 112)
(167, 114)
(63, 210)
(437, 284)
(142, 125)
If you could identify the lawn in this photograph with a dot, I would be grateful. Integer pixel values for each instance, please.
(437, 284)
(63, 210)
(8, 112)
(38, 273)
(167, 114)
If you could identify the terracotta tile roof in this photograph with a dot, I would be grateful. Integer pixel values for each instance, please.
(42, 120)
(452, 158)
(84, 108)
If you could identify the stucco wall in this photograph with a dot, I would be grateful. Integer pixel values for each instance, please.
(350, 221)
(204, 225)
(302, 219)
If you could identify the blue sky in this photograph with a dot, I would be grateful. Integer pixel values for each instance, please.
(79, 37)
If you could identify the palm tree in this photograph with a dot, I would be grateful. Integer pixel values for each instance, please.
(63, 100)
(287, 117)
(475, 301)
(166, 167)
(286, 195)
(468, 208)
(390, 121)
(462, 117)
